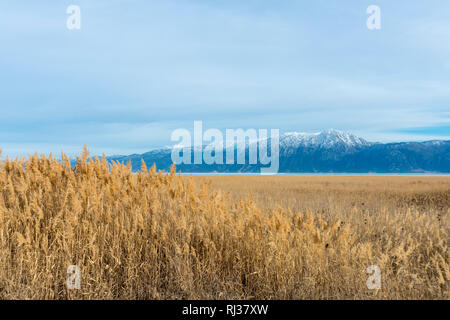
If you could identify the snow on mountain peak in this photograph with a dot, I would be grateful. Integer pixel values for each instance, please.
(326, 139)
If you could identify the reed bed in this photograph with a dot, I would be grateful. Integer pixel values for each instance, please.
(156, 235)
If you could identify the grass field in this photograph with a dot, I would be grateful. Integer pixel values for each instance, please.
(339, 193)
(155, 236)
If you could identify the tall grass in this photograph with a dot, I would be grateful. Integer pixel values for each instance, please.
(151, 235)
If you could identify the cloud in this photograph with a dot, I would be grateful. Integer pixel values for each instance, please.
(135, 71)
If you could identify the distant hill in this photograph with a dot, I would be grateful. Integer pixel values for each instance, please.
(330, 151)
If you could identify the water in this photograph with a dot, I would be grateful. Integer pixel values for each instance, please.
(321, 174)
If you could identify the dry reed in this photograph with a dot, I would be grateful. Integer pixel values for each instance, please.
(150, 235)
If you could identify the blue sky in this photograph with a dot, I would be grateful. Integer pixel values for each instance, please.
(139, 69)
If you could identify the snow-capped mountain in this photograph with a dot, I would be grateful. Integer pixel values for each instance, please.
(324, 152)
(325, 139)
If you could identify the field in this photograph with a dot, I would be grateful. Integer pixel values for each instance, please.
(339, 195)
(150, 235)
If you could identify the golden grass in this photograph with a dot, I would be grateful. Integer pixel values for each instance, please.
(155, 236)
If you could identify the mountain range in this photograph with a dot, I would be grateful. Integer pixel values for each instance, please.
(330, 151)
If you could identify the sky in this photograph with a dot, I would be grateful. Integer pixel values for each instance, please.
(137, 70)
